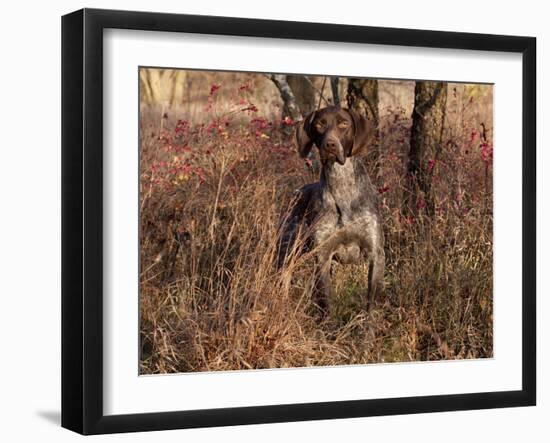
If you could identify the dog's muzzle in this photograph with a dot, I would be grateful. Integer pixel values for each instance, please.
(333, 150)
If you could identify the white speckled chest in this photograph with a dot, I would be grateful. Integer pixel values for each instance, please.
(346, 221)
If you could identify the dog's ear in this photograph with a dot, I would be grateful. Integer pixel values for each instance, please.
(364, 133)
(303, 135)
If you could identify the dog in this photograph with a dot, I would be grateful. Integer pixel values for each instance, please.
(339, 215)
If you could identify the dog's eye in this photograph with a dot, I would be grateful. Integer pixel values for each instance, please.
(343, 124)
(320, 125)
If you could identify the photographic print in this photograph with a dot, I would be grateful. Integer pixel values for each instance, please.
(305, 220)
(260, 225)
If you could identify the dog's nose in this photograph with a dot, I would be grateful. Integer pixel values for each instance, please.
(333, 149)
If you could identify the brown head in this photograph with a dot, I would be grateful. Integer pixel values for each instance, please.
(338, 133)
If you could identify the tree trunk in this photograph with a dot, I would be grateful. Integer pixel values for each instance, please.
(303, 91)
(362, 97)
(428, 116)
(290, 105)
(335, 88)
(162, 86)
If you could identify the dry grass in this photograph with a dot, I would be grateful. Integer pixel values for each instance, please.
(212, 192)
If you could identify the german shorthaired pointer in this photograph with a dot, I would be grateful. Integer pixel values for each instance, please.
(338, 214)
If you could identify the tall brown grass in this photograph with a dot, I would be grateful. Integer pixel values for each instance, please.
(212, 194)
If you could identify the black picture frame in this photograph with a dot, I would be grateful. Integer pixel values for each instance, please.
(82, 218)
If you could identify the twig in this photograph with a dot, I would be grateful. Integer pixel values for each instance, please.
(321, 92)
(161, 126)
(317, 90)
(213, 217)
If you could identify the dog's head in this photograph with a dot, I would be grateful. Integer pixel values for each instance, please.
(338, 133)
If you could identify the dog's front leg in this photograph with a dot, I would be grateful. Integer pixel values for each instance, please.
(323, 285)
(376, 278)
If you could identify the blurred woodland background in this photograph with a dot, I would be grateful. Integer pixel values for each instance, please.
(218, 168)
